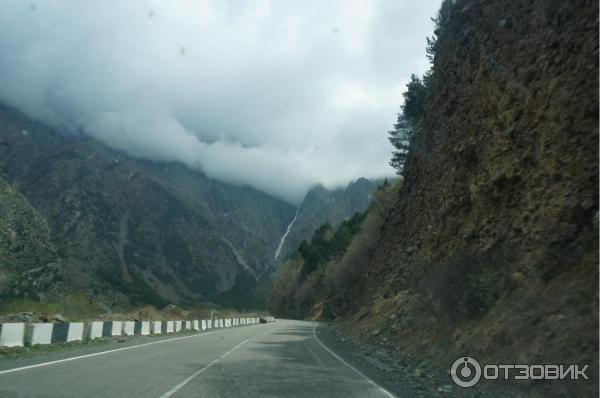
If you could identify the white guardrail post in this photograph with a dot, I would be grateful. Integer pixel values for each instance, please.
(16, 334)
(12, 334)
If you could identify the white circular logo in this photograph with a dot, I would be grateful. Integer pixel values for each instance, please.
(465, 372)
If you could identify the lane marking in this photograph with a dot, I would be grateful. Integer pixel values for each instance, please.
(186, 381)
(336, 356)
(39, 365)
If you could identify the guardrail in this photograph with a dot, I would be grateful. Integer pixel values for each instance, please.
(28, 334)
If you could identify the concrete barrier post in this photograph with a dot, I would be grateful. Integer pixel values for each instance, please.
(170, 327)
(41, 333)
(145, 328)
(137, 328)
(75, 332)
(12, 334)
(129, 328)
(60, 332)
(117, 328)
(96, 329)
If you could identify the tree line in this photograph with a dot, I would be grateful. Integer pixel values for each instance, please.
(415, 97)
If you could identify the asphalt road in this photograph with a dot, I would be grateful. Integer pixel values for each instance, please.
(280, 359)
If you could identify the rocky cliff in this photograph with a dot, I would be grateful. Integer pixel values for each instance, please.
(491, 249)
(128, 231)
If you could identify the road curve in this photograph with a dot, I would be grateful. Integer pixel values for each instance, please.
(281, 359)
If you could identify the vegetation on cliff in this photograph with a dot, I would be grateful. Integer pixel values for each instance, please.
(326, 268)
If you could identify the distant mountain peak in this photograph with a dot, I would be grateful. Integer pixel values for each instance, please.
(321, 205)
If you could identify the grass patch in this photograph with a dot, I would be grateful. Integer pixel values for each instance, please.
(74, 306)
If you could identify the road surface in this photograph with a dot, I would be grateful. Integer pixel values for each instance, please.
(280, 359)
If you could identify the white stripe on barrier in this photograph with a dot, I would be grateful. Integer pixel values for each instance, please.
(145, 328)
(12, 334)
(156, 327)
(117, 328)
(195, 325)
(177, 326)
(41, 333)
(170, 326)
(128, 328)
(75, 332)
(96, 330)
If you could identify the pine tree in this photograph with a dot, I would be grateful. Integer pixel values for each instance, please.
(400, 138)
(414, 100)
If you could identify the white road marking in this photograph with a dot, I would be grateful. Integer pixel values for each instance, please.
(186, 381)
(39, 365)
(383, 390)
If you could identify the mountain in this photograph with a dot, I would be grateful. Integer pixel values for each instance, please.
(77, 215)
(321, 205)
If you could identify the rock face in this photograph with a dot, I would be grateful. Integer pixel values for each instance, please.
(492, 248)
(321, 205)
(136, 231)
(27, 253)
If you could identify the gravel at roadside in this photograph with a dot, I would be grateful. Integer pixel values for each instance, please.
(403, 377)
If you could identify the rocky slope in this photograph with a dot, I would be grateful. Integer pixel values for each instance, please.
(128, 230)
(491, 249)
(321, 205)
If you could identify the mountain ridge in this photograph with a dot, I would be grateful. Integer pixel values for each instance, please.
(159, 225)
(321, 205)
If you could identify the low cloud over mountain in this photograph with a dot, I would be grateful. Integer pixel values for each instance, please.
(279, 96)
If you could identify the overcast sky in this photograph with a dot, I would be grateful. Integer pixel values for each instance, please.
(278, 95)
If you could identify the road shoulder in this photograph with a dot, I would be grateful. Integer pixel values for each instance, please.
(403, 377)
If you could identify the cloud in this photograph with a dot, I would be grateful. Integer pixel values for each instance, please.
(278, 95)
